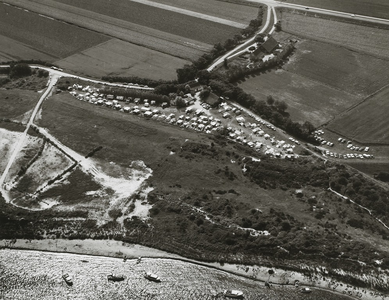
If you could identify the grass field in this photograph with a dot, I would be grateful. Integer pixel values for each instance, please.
(225, 10)
(152, 17)
(47, 36)
(307, 100)
(14, 50)
(355, 73)
(374, 8)
(15, 103)
(367, 122)
(116, 57)
(356, 37)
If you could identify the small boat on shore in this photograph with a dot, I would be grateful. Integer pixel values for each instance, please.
(306, 290)
(152, 277)
(112, 277)
(236, 294)
(68, 279)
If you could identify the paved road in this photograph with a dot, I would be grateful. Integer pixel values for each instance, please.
(242, 48)
(323, 11)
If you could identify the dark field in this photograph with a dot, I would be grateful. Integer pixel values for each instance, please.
(160, 19)
(374, 8)
(47, 36)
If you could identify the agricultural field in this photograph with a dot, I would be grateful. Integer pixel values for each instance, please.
(374, 8)
(320, 80)
(229, 11)
(14, 50)
(160, 19)
(366, 39)
(47, 36)
(349, 71)
(366, 123)
(116, 57)
(307, 100)
(32, 274)
(15, 104)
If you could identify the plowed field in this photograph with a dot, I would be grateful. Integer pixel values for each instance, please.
(152, 17)
(45, 35)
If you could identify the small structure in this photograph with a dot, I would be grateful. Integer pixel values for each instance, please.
(268, 46)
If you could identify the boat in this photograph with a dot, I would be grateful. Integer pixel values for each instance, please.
(233, 294)
(112, 277)
(152, 277)
(68, 279)
(306, 290)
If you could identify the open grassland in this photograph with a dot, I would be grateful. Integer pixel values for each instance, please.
(164, 42)
(32, 275)
(116, 57)
(152, 17)
(125, 137)
(355, 73)
(367, 122)
(15, 103)
(366, 39)
(14, 50)
(307, 100)
(374, 8)
(225, 10)
(46, 35)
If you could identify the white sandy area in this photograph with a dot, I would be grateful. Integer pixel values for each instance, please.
(120, 250)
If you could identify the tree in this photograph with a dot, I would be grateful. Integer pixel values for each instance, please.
(20, 70)
(187, 73)
(270, 100)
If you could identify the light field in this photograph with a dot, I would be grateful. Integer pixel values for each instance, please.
(307, 100)
(340, 68)
(159, 19)
(374, 8)
(116, 57)
(367, 122)
(43, 35)
(373, 41)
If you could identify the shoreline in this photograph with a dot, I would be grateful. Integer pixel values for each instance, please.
(119, 250)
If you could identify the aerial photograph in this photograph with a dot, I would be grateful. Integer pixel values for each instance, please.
(194, 149)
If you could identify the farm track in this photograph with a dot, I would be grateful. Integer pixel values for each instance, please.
(140, 35)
